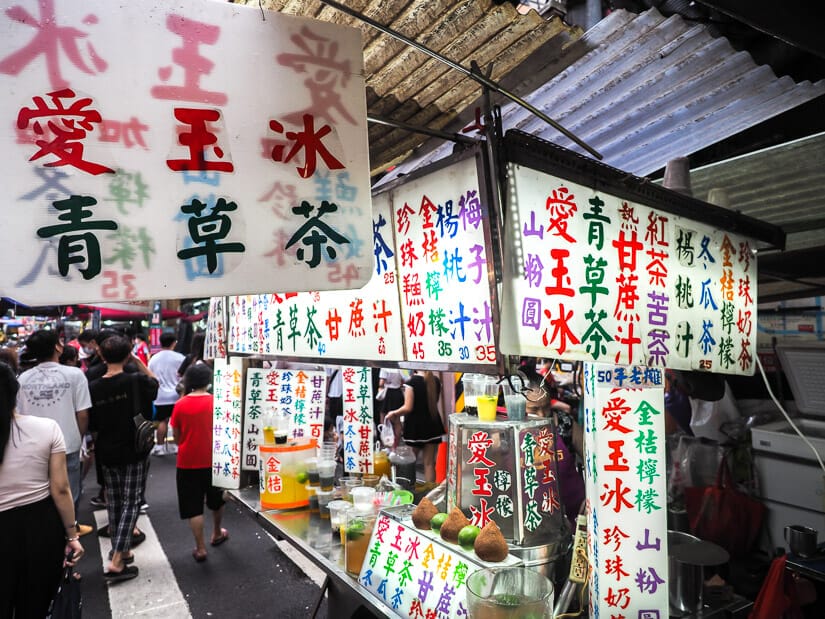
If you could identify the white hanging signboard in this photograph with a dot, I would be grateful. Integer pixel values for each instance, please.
(351, 324)
(440, 226)
(215, 153)
(227, 387)
(626, 490)
(214, 344)
(589, 276)
(359, 440)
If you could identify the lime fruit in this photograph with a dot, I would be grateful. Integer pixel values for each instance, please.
(355, 530)
(436, 521)
(302, 477)
(467, 536)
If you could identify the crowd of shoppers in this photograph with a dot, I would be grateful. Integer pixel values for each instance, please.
(66, 404)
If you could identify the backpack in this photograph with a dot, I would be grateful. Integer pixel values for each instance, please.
(144, 435)
(144, 429)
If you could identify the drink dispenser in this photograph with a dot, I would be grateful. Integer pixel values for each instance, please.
(506, 471)
(283, 474)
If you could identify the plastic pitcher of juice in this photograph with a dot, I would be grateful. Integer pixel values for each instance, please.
(283, 475)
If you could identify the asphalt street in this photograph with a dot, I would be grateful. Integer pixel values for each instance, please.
(248, 576)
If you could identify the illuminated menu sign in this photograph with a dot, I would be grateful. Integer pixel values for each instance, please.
(592, 277)
(227, 388)
(626, 490)
(441, 226)
(186, 149)
(359, 439)
(298, 396)
(353, 324)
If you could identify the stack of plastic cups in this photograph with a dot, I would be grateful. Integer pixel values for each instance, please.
(314, 483)
(348, 484)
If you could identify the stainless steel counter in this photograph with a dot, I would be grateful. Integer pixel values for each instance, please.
(314, 538)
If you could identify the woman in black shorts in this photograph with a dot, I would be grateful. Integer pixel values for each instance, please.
(192, 428)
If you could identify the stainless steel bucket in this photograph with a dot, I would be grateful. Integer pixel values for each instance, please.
(684, 580)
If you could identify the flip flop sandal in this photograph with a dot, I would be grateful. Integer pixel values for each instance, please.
(126, 560)
(127, 573)
(200, 558)
(220, 540)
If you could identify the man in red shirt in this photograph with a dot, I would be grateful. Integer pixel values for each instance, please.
(192, 428)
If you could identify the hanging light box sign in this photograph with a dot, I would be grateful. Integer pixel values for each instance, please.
(348, 324)
(442, 226)
(594, 277)
(626, 490)
(227, 413)
(220, 151)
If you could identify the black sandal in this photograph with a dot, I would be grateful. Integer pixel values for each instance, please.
(127, 573)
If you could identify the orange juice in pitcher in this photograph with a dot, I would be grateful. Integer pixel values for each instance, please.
(283, 475)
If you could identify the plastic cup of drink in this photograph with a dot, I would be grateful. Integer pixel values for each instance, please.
(281, 437)
(326, 474)
(516, 406)
(363, 496)
(358, 530)
(348, 484)
(312, 471)
(370, 480)
(338, 516)
(269, 435)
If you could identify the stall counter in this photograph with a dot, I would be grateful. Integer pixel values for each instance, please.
(314, 538)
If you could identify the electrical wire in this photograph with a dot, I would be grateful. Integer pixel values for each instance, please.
(785, 413)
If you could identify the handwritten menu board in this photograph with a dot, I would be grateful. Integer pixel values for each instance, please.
(227, 388)
(626, 489)
(214, 344)
(297, 395)
(359, 440)
(353, 324)
(592, 277)
(518, 488)
(441, 226)
(413, 574)
(157, 169)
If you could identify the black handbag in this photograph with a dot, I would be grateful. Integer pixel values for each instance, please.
(144, 429)
(68, 601)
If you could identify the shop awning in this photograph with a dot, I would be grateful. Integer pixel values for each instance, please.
(643, 89)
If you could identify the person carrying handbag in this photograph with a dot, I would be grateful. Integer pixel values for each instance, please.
(37, 514)
(115, 398)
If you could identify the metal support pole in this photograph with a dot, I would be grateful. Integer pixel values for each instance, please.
(453, 137)
(481, 79)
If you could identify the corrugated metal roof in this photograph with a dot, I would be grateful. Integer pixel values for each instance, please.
(648, 89)
(406, 85)
(783, 185)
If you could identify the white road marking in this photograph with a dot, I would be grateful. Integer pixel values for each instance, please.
(155, 590)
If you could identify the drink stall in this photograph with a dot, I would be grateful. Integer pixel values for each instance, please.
(582, 263)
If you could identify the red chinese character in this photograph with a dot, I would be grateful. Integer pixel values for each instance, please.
(481, 516)
(66, 128)
(483, 486)
(47, 41)
(615, 496)
(614, 411)
(560, 273)
(562, 206)
(193, 34)
(478, 444)
(618, 463)
(197, 140)
(310, 142)
(562, 333)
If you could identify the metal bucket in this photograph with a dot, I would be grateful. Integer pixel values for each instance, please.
(685, 581)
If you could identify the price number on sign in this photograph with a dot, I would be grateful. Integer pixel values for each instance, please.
(486, 353)
(445, 349)
(389, 277)
(604, 376)
(336, 274)
(418, 350)
(117, 286)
